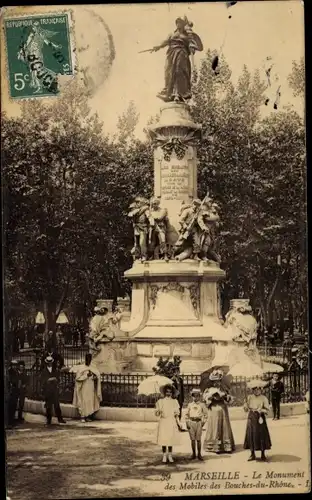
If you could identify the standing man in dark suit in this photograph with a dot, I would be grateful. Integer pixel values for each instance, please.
(22, 386)
(50, 388)
(178, 384)
(277, 389)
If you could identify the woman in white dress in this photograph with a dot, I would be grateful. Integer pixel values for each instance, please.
(167, 409)
(87, 393)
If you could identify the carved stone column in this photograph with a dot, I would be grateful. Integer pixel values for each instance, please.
(175, 160)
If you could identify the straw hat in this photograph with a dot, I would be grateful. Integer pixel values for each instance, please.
(256, 384)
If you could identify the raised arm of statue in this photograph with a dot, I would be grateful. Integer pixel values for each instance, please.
(162, 45)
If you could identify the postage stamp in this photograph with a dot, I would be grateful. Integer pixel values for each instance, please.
(39, 49)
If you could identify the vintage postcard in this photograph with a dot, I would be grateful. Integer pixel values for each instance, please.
(155, 250)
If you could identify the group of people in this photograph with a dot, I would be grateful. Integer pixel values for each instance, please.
(87, 391)
(210, 409)
(74, 335)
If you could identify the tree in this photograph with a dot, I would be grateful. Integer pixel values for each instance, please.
(68, 191)
(296, 79)
(248, 164)
(126, 124)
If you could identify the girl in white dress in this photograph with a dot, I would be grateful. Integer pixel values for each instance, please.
(167, 409)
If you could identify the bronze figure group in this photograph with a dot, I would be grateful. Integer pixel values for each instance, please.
(197, 234)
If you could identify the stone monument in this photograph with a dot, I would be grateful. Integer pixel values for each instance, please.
(175, 290)
(175, 306)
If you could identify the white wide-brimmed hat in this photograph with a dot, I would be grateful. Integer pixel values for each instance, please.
(254, 384)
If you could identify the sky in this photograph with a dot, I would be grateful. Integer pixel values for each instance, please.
(256, 30)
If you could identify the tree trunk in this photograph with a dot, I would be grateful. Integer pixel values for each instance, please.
(49, 314)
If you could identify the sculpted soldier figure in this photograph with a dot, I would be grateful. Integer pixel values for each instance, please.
(207, 220)
(158, 220)
(140, 216)
(190, 232)
(197, 234)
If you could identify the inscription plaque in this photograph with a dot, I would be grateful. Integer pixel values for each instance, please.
(175, 180)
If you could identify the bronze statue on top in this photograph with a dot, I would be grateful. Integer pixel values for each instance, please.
(182, 45)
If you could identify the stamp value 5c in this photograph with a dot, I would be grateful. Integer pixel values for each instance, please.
(39, 48)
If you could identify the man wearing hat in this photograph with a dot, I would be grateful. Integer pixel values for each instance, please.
(50, 390)
(195, 418)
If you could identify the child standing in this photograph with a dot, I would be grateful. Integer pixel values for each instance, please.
(196, 416)
(167, 409)
(277, 389)
(257, 436)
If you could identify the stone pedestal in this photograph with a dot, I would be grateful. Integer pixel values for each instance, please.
(176, 311)
(116, 356)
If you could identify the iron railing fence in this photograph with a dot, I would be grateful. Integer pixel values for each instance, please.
(74, 355)
(70, 355)
(121, 390)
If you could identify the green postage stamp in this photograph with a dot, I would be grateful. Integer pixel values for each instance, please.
(39, 49)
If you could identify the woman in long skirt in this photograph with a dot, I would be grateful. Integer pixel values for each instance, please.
(219, 436)
(257, 436)
(87, 392)
(167, 409)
